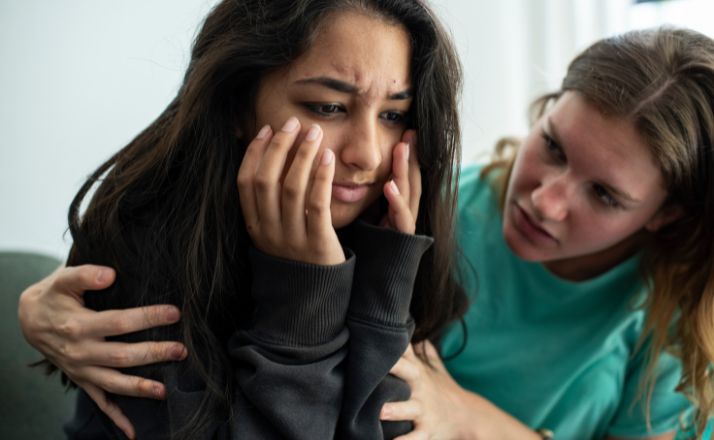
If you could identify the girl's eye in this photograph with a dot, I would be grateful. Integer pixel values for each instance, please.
(394, 117)
(553, 149)
(329, 109)
(604, 197)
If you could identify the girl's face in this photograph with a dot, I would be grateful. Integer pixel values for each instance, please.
(354, 81)
(582, 190)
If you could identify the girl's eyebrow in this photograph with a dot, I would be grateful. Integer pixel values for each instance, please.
(345, 87)
(551, 131)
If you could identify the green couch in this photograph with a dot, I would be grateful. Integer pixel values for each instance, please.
(32, 405)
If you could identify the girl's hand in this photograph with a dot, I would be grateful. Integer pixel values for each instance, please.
(287, 206)
(54, 320)
(441, 409)
(403, 191)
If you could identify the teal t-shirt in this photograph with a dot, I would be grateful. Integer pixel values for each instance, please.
(553, 353)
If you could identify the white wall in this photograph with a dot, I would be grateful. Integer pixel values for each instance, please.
(80, 78)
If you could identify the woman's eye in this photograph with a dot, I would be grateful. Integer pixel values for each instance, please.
(325, 109)
(605, 197)
(553, 149)
(394, 117)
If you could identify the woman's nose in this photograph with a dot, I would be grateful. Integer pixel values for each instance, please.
(550, 199)
(361, 147)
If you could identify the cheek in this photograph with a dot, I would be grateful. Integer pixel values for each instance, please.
(610, 229)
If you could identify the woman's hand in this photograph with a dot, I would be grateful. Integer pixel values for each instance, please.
(286, 206)
(403, 191)
(441, 409)
(54, 320)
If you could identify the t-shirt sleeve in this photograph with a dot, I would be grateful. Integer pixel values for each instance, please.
(667, 406)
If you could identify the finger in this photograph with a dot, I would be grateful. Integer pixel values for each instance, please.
(78, 279)
(406, 410)
(414, 179)
(400, 168)
(110, 409)
(115, 382)
(407, 370)
(319, 218)
(399, 213)
(296, 182)
(246, 175)
(267, 177)
(123, 355)
(119, 322)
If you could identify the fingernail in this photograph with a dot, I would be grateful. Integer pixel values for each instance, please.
(158, 391)
(290, 125)
(172, 314)
(178, 352)
(409, 147)
(327, 156)
(264, 132)
(385, 413)
(313, 133)
(394, 187)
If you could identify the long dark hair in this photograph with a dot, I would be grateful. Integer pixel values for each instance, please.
(165, 212)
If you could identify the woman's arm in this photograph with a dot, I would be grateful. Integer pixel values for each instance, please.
(54, 320)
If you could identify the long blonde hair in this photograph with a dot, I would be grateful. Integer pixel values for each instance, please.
(663, 81)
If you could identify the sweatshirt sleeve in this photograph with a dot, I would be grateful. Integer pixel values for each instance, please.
(380, 326)
(289, 365)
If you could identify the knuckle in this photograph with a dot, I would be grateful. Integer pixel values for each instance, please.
(119, 358)
(305, 153)
(316, 206)
(291, 192)
(158, 352)
(245, 181)
(155, 315)
(119, 325)
(112, 384)
(263, 183)
(70, 328)
(69, 352)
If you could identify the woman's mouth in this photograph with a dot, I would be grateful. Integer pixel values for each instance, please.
(530, 229)
(349, 192)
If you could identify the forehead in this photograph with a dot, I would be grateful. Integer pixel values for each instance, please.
(604, 148)
(369, 52)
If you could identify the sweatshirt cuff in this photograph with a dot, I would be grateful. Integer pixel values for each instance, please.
(299, 303)
(387, 265)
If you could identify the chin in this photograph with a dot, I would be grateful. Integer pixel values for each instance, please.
(341, 219)
(520, 247)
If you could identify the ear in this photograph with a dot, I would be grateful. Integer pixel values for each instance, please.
(666, 215)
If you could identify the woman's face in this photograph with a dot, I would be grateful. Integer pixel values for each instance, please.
(583, 186)
(354, 81)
